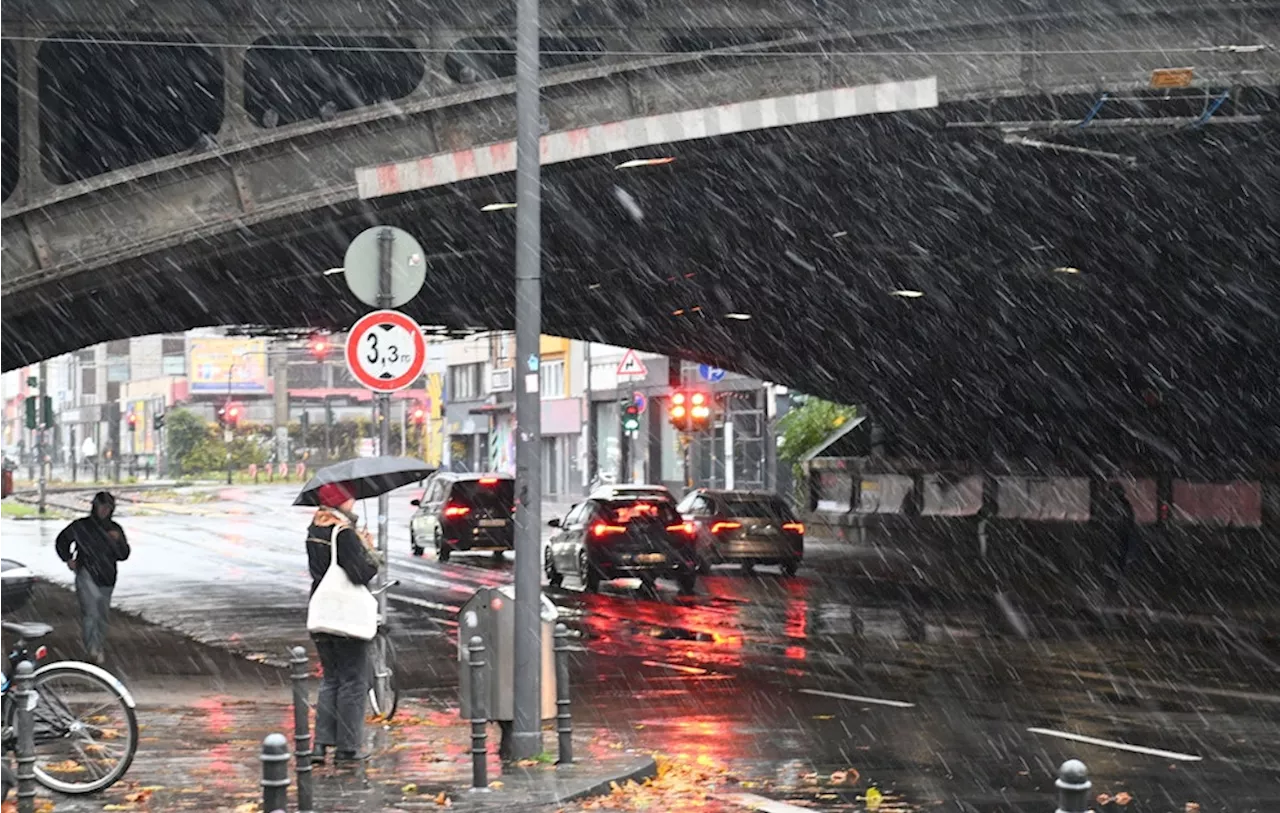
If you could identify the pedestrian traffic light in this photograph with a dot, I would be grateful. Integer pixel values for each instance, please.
(419, 415)
(159, 421)
(233, 415)
(631, 419)
(133, 421)
(32, 422)
(319, 347)
(699, 411)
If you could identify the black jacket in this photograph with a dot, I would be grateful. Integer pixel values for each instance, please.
(352, 556)
(98, 545)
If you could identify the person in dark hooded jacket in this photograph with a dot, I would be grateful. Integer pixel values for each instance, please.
(344, 685)
(91, 546)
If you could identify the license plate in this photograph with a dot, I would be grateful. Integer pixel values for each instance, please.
(492, 523)
(650, 558)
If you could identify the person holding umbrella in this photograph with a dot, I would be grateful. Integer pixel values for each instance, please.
(332, 540)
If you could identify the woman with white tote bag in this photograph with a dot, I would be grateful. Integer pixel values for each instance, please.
(342, 618)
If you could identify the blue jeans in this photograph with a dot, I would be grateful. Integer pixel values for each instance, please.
(344, 691)
(95, 607)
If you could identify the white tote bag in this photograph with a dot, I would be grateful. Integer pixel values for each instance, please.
(339, 607)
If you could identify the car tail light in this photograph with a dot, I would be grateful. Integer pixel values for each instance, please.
(725, 526)
(456, 511)
(488, 481)
(794, 527)
(686, 528)
(41, 652)
(601, 529)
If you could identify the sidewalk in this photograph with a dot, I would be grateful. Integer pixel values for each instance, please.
(204, 712)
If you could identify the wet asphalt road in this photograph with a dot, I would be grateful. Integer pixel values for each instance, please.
(768, 674)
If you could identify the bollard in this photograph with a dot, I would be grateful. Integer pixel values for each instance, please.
(299, 673)
(275, 773)
(24, 697)
(564, 719)
(1073, 787)
(479, 748)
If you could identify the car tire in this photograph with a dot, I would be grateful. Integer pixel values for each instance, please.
(554, 577)
(413, 542)
(442, 548)
(688, 583)
(589, 575)
(789, 567)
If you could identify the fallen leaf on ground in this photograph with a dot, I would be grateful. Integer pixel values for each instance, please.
(409, 788)
(1123, 798)
(824, 716)
(497, 784)
(443, 801)
(874, 798)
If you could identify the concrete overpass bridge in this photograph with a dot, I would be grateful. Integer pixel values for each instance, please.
(1079, 237)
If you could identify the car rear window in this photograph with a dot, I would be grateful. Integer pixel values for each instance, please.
(756, 508)
(481, 495)
(657, 509)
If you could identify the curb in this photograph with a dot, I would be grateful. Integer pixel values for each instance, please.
(565, 787)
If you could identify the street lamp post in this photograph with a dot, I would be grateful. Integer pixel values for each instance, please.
(527, 725)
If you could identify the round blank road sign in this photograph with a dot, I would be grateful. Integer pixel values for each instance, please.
(386, 351)
(408, 266)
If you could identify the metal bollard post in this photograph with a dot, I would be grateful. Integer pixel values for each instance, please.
(300, 674)
(479, 720)
(275, 773)
(1073, 787)
(564, 719)
(25, 696)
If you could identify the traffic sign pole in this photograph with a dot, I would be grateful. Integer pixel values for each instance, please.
(386, 241)
(40, 427)
(526, 727)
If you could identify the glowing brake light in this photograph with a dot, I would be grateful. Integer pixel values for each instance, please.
(456, 510)
(794, 527)
(604, 529)
(488, 481)
(686, 528)
(725, 526)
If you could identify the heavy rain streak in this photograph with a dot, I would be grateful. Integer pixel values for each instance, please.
(641, 405)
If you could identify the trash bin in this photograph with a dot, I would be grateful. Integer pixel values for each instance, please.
(490, 613)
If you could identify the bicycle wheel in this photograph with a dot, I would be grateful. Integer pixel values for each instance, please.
(86, 733)
(384, 691)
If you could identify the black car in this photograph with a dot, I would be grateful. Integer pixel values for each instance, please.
(613, 538)
(747, 528)
(464, 512)
(17, 581)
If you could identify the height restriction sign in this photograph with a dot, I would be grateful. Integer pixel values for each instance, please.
(386, 351)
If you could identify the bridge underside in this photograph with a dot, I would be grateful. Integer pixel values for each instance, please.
(810, 231)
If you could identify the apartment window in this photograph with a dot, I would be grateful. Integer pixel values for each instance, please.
(88, 380)
(173, 353)
(551, 379)
(466, 382)
(119, 347)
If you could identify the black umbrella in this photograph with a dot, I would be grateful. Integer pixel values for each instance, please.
(366, 476)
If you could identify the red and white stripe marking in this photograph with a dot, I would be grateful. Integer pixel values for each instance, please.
(668, 128)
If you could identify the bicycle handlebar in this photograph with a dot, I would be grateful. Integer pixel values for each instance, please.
(384, 588)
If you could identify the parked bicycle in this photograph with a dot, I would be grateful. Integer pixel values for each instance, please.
(384, 686)
(86, 730)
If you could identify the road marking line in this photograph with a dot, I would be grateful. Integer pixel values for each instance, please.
(688, 670)
(1121, 746)
(897, 704)
(753, 802)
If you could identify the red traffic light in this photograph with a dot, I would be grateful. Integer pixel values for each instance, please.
(319, 347)
(419, 415)
(133, 419)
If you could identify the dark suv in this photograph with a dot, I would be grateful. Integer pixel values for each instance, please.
(464, 512)
(613, 538)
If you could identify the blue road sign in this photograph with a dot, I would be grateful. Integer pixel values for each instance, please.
(709, 373)
(641, 402)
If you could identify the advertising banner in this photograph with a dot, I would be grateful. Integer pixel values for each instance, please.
(222, 365)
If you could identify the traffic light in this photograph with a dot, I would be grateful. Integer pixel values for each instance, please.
(419, 415)
(631, 419)
(159, 421)
(31, 420)
(678, 411)
(233, 415)
(699, 411)
(319, 347)
(133, 421)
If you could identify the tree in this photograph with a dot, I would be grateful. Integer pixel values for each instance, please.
(184, 431)
(807, 426)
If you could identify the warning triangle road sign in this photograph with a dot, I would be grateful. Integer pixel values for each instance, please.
(632, 365)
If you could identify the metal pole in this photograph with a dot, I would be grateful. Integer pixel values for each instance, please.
(24, 692)
(386, 238)
(624, 448)
(40, 428)
(527, 725)
(299, 673)
(1073, 787)
(275, 773)
(479, 718)
(593, 454)
(564, 719)
(404, 427)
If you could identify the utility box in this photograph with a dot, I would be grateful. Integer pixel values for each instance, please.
(491, 614)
